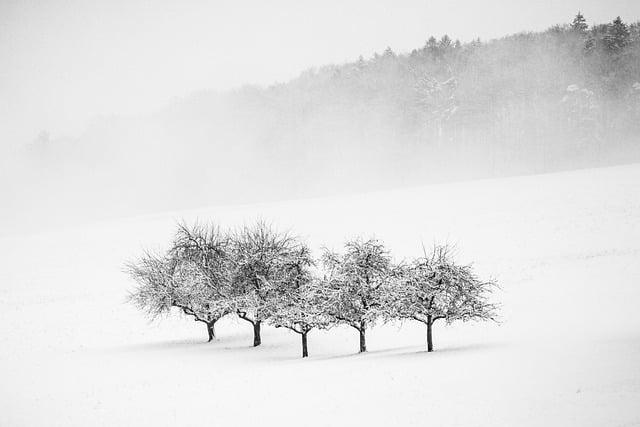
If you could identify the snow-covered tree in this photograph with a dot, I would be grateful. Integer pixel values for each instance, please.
(203, 272)
(579, 24)
(445, 43)
(618, 36)
(260, 256)
(298, 297)
(434, 287)
(192, 276)
(299, 309)
(156, 290)
(162, 284)
(354, 282)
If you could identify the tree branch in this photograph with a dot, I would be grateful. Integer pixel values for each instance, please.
(243, 316)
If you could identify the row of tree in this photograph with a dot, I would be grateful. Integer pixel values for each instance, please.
(263, 275)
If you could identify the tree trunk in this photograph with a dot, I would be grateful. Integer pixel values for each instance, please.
(363, 343)
(256, 333)
(305, 353)
(429, 334)
(211, 329)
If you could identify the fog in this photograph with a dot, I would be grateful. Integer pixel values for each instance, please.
(132, 107)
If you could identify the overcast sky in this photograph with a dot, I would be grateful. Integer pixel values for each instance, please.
(63, 63)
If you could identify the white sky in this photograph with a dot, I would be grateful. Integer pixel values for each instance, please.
(63, 63)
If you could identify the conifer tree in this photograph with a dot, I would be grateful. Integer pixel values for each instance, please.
(617, 36)
(431, 47)
(579, 24)
(445, 43)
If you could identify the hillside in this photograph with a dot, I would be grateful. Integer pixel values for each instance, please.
(561, 99)
(565, 248)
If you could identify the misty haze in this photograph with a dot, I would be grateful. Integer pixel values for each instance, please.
(320, 214)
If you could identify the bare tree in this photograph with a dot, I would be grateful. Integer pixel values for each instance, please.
(162, 283)
(259, 257)
(434, 287)
(354, 282)
(203, 254)
(192, 276)
(156, 290)
(299, 297)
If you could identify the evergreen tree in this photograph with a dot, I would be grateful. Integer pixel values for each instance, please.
(388, 53)
(432, 46)
(579, 24)
(445, 43)
(617, 36)
(634, 32)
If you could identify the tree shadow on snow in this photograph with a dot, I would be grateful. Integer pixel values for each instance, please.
(382, 352)
(191, 343)
(465, 348)
(411, 351)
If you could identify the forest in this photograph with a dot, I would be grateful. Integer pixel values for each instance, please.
(533, 102)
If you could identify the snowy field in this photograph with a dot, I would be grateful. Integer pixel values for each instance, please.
(565, 248)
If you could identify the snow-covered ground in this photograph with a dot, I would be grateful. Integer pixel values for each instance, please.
(565, 248)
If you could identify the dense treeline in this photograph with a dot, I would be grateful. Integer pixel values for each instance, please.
(565, 98)
(262, 276)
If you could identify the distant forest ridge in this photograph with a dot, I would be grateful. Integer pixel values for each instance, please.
(534, 102)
